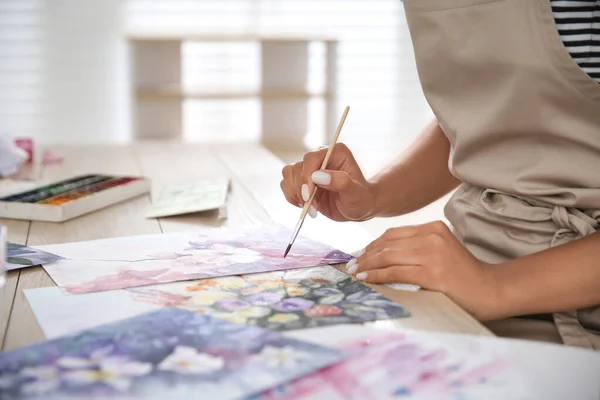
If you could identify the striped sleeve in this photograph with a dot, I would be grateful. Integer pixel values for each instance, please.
(578, 23)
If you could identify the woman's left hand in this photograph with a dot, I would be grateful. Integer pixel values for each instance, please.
(429, 256)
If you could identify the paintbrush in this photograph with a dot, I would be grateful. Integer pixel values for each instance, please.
(312, 196)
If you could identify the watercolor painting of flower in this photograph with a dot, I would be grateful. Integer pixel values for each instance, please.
(121, 263)
(153, 355)
(19, 256)
(386, 365)
(279, 300)
(116, 372)
(188, 360)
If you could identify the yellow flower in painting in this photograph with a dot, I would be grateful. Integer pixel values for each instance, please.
(251, 290)
(232, 283)
(272, 284)
(254, 312)
(283, 318)
(294, 289)
(208, 298)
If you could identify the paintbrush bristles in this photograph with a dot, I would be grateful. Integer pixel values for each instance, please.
(287, 250)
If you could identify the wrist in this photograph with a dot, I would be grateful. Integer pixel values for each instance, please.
(375, 209)
(498, 297)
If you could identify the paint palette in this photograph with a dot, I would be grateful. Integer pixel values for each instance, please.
(70, 198)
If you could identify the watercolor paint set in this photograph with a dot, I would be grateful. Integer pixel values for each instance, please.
(70, 198)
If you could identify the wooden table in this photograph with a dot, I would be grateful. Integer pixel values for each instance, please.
(255, 199)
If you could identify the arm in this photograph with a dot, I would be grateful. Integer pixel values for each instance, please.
(422, 172)
(420, 177)
(558, 279)
(563, 278)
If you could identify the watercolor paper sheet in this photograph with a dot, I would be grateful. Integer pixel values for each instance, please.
(407, 287)
(19, 256)
(280, 300)
(424, 365)
(205, 195)
(120, 263)
(167, 354)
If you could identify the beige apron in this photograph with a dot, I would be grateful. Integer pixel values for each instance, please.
(524, 123)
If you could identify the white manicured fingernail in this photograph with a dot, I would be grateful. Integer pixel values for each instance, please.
(352, 269)
(350, 264)
(362, 276)
(321, 178)
(304, 192)
(312, 211)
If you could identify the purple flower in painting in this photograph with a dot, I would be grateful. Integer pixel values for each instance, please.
(293, 304)
(232, 304)
(264, 299)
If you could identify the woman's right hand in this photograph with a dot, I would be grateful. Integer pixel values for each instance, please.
(344, 194)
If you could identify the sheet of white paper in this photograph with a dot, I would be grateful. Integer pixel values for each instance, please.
(205, 195)
(59, 314)
(404, 286)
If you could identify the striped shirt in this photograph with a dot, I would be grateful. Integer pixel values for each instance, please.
(578, 23)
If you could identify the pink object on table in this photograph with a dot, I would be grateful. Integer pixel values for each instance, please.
(25, 144)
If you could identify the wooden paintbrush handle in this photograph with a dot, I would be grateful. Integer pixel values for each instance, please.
(326, 159)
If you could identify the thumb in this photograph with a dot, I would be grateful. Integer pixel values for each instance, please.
(335, 181)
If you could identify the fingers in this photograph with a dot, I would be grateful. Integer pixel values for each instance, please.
(335, 181)
(298, 185)
(409, 243)
(385, 258)
(313, 162)
(437, 228)
(410, 274)
(291, 184)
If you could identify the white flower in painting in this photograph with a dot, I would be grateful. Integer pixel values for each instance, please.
(280, 357)
(95, 358)
(187, 360)
(46, 378)
(225, 255)
(220, 255)
(116, 372)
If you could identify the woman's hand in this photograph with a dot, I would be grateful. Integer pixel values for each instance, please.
(345, 194)
(430, 256)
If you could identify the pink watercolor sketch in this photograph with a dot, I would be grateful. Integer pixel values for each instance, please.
(406, 366)
(120, 263)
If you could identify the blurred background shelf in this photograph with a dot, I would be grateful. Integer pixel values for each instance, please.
(179, 93)
(283, 92)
